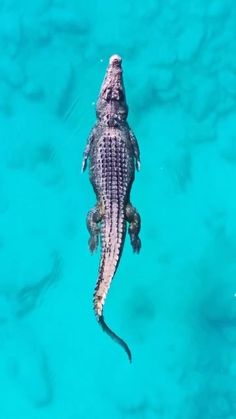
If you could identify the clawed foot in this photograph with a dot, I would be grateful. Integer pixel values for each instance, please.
(133, 217)
(136, 243)
(93, 242)
(93, 223)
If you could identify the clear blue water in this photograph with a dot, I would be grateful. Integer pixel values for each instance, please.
(175, 303)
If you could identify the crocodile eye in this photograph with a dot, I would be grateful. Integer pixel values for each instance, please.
(120, 94)
(108, 94)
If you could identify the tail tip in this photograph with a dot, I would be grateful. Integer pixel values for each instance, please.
(115, 337)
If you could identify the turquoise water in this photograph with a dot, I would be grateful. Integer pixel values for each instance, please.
(175, 303)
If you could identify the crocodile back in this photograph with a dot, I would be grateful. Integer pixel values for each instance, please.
(112, 175)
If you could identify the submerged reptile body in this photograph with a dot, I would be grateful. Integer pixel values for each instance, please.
(113, 151)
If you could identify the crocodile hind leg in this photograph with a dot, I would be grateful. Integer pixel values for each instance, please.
(94, 218)
(133, 218)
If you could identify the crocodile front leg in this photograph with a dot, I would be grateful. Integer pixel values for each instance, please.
(133, 217)
(135, 146)
(94, 218)
(87, 150)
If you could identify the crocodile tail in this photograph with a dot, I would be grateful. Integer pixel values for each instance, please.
(113, 233)
(114, 336)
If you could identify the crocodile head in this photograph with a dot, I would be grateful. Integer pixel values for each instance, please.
(111, 105)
